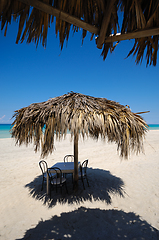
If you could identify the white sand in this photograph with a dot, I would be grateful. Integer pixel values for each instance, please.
(122, 201)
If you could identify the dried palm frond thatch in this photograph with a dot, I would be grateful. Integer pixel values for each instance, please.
(82, 115)
(139, 18)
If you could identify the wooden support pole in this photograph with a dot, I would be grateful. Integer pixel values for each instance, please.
(75, 160)
(105, 23)
(133, 35)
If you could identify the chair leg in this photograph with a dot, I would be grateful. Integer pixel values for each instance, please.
(87, 181)
(66, 188)
(83, 182)
(42, 185)
(72, 177)
(50, 192)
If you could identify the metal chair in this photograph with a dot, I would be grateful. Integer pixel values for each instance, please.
(43, 166)
(83, 172)
(56, 179)
(69, 158)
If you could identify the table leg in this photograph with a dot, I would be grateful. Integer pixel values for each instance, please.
(47, 184)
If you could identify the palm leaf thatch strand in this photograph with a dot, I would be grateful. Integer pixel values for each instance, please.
(137, 15)
(142, 15)
(81, 114)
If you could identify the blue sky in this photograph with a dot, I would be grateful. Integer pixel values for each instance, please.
(29, 74)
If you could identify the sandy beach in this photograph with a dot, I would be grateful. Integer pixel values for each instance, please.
(122, 201)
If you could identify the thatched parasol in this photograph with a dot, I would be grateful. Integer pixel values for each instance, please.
(81, 115)
(139, 20)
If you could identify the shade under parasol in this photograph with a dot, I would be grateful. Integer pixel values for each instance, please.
(81, 115)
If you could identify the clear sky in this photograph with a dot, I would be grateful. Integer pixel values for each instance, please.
(29, 74)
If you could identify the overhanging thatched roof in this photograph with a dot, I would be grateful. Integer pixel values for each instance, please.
(140, 20)
(80, 114)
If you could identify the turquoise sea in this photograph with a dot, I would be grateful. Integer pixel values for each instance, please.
(5, 128)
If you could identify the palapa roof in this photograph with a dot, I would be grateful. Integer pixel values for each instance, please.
(139, 20)
(80, 114)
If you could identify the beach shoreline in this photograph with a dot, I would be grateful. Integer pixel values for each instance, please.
(5, 129)
(119, 189)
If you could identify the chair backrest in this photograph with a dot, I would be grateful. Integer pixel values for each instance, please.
(84, 167)
(55, 173)
(43, 166)
(68, 158)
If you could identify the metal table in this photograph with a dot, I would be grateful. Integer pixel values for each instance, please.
(66, 167)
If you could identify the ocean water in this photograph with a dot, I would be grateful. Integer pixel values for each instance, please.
(5, 128)
(153, 126)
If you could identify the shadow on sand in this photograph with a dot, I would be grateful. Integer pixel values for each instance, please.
(102, 185)
(89, 224)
